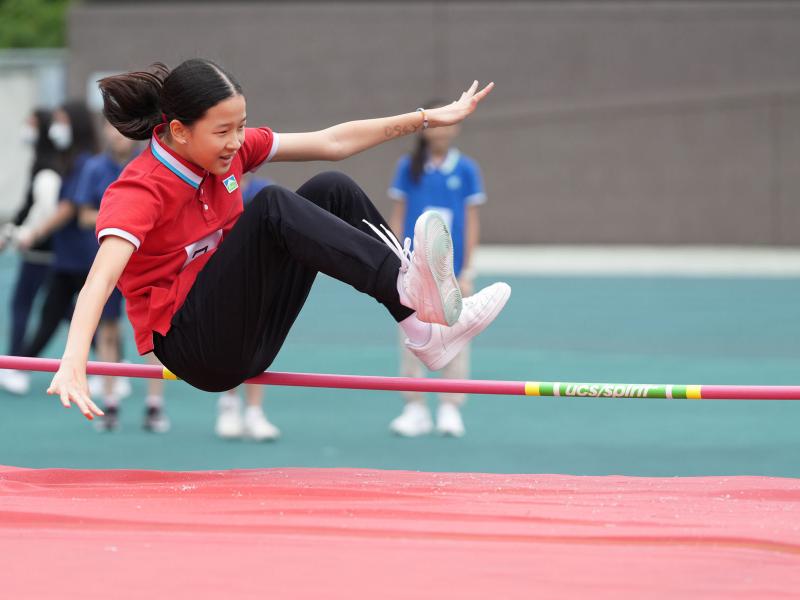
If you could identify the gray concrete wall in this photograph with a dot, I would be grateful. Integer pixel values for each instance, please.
(665, 122)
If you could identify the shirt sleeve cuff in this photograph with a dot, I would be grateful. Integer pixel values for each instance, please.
(276, 141)
(396, 193)
(119, 233)
(474, 199)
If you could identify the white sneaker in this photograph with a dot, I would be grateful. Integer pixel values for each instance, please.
(257, 427)
(229, 417)
(15, 382)
(446, 342)
(122, 386)
(428, 282)
(415, 420)
(448, 420)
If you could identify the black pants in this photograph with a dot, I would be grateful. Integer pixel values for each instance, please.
(30, 278)
(62, 289)
(244, 301)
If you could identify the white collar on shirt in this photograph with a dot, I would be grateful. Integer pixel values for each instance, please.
(448, 164)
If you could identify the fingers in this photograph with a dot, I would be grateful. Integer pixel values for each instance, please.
(94, 408)
(468, 94)
(84, 403)
(64, 399)
(88, 408)
(473, 96)
(484, 92)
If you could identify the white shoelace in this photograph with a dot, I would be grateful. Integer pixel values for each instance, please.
(403, 252)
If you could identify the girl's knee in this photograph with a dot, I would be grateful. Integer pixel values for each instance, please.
(269, 200)
(323, 183)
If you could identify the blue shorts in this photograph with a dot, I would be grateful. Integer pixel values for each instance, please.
(112, 311)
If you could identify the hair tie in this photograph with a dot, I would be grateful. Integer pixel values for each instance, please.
(163, 117)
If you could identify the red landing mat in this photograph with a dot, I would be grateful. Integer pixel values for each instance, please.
(300, 533)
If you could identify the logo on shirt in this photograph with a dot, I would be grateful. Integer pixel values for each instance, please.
(454, 182)
(203, 246)
(230, 184)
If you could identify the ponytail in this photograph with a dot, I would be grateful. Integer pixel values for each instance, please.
(420, 154)
(418, 158)
(134, 103)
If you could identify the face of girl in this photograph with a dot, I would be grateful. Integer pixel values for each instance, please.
(213, 141)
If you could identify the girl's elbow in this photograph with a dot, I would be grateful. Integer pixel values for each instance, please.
(336, 151)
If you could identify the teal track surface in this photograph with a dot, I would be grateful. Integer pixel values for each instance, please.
(666, 330)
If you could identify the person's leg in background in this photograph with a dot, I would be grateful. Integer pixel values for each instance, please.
(155, 415)
(448, 416)
(415, 420)
(108, 344)
(61, 291)
(30, 278)
(107, 348)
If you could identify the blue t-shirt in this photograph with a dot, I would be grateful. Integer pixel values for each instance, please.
(448, 189)
(75, 247)
(72, 250)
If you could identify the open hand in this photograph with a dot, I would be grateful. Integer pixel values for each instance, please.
(457, 111)
(69, 384)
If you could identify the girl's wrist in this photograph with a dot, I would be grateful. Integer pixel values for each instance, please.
(71, 361)
(425, 122)
(433, 121)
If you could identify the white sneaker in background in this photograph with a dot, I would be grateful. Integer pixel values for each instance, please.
(122, 386)
(449, 421)
(229, 417)
(479, 310)
(415, 420)
(257, 427)
(15, 382)
(156, 420)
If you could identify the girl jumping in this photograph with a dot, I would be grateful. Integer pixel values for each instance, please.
(213, 289)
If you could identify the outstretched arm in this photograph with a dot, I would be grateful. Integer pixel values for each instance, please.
(346, 139)
(69, 383)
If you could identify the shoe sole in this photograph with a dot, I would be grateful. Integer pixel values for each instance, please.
(157, 429)
(449, 433)
(457, 344)
(224, 435)
(405, 434)
(253, 438)
(433, 238)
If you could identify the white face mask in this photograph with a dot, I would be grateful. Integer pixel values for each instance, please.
(28, 135)
(61, 135)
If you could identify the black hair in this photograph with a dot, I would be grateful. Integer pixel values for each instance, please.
(134, 103)
(420, 153)
(45, 154)
(84, 135)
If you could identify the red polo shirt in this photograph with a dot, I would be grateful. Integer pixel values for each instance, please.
(176, 214)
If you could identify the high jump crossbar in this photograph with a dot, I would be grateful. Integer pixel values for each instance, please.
(467, 386)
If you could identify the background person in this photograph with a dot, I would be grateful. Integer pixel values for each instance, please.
(436, 176)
